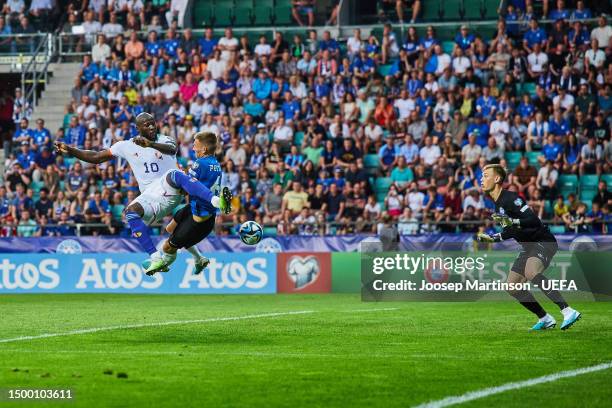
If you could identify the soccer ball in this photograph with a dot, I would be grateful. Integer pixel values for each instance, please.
(251, 233)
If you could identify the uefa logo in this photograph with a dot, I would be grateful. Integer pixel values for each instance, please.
(69, 246)
(269, 246)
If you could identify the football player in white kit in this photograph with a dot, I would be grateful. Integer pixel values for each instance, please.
(150, 157)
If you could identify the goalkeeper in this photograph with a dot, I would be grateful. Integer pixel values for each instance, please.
(519, 222)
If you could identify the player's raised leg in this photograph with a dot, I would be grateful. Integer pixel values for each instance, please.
(534, 269)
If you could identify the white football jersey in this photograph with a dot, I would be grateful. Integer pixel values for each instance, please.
(147, 163)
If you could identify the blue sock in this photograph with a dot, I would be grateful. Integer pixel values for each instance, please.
(140, 231)
(190, 185)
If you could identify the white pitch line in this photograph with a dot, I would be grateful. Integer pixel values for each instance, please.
(372, 310)
(473, 395)
(140, 325)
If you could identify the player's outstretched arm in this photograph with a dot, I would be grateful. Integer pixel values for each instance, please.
(165, 148)
(89, 156)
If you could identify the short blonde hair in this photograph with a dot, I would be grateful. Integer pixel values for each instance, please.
(208, 139)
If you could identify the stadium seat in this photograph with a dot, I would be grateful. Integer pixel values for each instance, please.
(263, 12)
(371, 160)
(283, 15)
(448, 47)
(224, 11)
(385, 70)
(244, 13)
(587, 195)
(298, 138)
(431, 10)
(530, 88)
(491, 9)
(371, 164)
(513, 159)
(548, 209)
(36, 186)
(589, 182)
(203, 12)
(557, 229)
(117, 211)
(69, 161)
(382, 184)
(269, 231)
(568, 183)
(588, 203)
(474, 9)
(532, 158)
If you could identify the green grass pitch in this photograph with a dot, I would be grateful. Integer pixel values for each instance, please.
(343, 354)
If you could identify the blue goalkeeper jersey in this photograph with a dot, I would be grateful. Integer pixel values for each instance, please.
(207, 171)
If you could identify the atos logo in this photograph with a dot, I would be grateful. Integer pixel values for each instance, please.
(303, 271)
(106, 274)
(229, 275)
(29, 275)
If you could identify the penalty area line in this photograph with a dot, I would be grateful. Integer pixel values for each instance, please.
(158, 324)
(474, 395)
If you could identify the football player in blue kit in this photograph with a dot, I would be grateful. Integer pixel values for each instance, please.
(196, 221)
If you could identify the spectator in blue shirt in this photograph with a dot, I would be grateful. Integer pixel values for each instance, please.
(388, 155)
(207, 43)
(535, 35)
(123, 111)
(560, 12)
(322, 88)
(26, 157)
(170, 46)
(464, 39)
(581, 12)
(294, 159)
(262, 86)
(329, 44)
(23, 133)
(226, 89)
(486, 104)
(578, 35)
(290, 107)
(41, 136)
(152, 46)
(89, 70)
(480, 129)
(558, 125)
(512, 24)
(75, 134)
(526, 108)
(429, 40)
(551, 151)
(98, 206)
(44, 158)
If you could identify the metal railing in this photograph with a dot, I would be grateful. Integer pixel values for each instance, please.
(35, 71)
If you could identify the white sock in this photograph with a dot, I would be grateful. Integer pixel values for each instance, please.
(193, 250)
(546, 318)
(215, 201)
(566, 311)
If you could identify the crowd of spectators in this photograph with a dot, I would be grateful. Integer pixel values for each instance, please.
(321, 136)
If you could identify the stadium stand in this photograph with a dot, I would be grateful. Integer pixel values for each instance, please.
(393, 121)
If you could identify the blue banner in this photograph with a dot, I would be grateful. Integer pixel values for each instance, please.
(344, 243)
(121, 273)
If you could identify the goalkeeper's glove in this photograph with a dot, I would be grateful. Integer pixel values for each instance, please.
(484, 237)
(504, 220)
